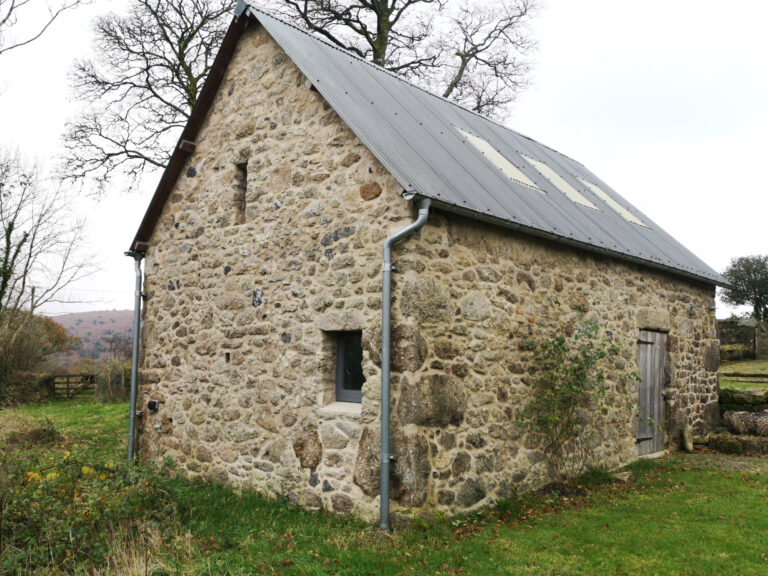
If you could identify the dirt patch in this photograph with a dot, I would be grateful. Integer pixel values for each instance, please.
(562, 490)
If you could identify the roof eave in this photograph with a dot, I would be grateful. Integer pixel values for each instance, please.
(186, 144)
(447, 207)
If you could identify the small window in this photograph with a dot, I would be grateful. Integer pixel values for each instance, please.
(240, 188)
(349, 367)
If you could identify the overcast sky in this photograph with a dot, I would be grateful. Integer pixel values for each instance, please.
(666, 101)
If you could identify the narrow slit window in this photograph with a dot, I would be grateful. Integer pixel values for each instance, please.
(240, 188)
(349, 367)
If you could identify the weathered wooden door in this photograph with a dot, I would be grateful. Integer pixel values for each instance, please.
(653, 356)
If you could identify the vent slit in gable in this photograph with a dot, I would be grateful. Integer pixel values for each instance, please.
(497, 159)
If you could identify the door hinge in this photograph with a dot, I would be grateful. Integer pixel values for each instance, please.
(639, 341)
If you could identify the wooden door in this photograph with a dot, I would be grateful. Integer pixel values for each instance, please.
(653, 356)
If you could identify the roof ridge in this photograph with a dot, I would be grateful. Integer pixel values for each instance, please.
(399, 77)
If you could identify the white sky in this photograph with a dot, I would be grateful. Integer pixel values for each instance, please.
(666, 100)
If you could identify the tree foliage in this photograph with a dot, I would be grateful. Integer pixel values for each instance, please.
(748, 277)
(120, 346)
(36, 340)
(42, 12)
(140, 89)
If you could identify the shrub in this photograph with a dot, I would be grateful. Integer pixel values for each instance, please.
(25, 388)
(568, 392)
(57, 512)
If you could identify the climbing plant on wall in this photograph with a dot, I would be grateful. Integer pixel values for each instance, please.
(569, 390)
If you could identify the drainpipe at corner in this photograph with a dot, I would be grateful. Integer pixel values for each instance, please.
(137, 257)
(386, 334)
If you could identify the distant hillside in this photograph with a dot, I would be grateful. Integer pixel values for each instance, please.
(92, 328)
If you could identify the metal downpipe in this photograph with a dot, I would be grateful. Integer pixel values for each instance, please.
(137, 257)
(386, 335)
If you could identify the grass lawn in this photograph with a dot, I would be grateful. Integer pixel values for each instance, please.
(756, 367)
(696, 514)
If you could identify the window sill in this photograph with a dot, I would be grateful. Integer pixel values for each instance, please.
(342, 409)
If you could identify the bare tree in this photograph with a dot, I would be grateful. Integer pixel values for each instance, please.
(142, 86)
(472, 52)
(42, 241)
(152, 64)
(43, 12)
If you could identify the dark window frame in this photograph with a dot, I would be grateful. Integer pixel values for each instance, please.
(344, 343)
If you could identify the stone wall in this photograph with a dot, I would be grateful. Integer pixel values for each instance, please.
(271, 242)
(743, 331)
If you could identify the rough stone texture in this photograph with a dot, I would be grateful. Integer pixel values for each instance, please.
(308, 449)
(367, 473)
(342, 503)
(738, 444)
(712, 356)
(432, 400)
(653, 319)
(242, 302)
(688, 439)
(410, 473)
(370, 191)
(471, 492)
(747, 423)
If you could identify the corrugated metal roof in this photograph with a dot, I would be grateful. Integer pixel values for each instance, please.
(422, 141)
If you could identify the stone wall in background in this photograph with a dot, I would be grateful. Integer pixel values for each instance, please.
(738, 337)
(271, 242)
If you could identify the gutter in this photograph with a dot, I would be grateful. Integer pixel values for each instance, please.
(479, 216)
(386, 336)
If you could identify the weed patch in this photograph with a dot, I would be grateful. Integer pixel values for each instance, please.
(74, 508)
(29, 435)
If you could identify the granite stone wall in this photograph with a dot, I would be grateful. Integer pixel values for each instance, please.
(271, 242)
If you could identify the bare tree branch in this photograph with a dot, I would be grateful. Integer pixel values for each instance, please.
(473, 53)
(141, 88)
(152, 64)
(12, 10)
(41, 251)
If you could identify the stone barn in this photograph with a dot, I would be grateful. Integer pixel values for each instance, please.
(269, 309)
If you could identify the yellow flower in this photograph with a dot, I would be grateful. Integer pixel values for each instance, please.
(34, 476)
(87, 471)
(66, 454)
(51, 475)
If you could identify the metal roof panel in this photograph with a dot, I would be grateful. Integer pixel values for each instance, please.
(420, 139)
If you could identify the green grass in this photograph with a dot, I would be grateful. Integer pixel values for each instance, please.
(758, 367)
(682, 515)
(95, 431)
(745, 367)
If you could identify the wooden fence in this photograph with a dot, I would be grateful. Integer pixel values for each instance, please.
(69, 386)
